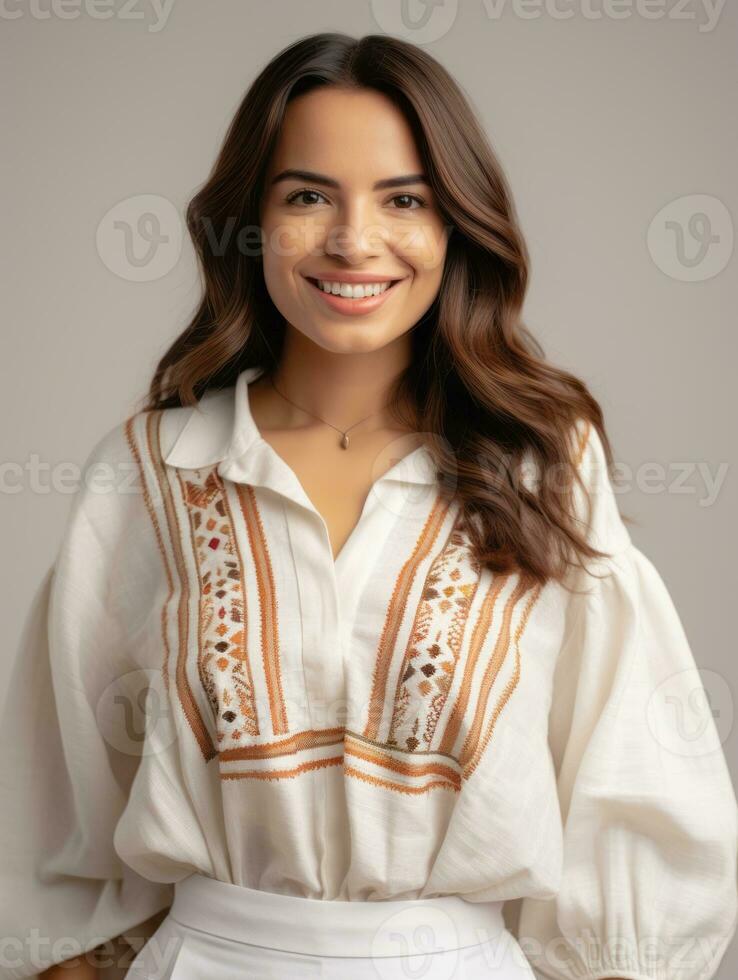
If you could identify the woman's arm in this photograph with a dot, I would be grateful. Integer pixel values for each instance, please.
(69, 755)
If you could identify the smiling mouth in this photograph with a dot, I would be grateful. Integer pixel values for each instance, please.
(343, 294)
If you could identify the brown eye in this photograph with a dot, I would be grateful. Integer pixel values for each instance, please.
(293, 198)
(408, 198)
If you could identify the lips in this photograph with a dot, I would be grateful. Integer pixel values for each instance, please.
(355, 282)
(349, 305)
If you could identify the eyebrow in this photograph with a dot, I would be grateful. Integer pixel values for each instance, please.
(314, 178)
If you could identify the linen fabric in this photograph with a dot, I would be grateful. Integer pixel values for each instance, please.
(201, 689)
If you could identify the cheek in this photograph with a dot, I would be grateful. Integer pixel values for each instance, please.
(282, 250)
(423, 246)
(282, 245)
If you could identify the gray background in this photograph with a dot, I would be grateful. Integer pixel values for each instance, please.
(601, 120)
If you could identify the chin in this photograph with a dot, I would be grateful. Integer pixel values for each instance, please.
(348, 338)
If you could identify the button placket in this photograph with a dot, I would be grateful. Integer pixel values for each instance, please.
(319, 612)
(330, 593)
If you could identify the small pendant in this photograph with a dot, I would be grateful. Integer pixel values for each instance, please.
(345, 442)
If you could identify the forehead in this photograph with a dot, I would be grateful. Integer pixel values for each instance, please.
(345, 133)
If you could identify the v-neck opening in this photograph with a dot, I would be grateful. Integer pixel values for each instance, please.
(252, 459)
(310, 504)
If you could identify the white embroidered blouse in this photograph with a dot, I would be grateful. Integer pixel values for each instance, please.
(200, 687)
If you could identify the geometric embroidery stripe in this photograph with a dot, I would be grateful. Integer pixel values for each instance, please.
(270, 774)
(267, 606)
(479, 635)
(395, 612)
(186, 697)
(152, 420)
(221, 647)
(244, 608)
(472, 762)
(411, 770)
(428, 668)
(189, 705)
(397, 787)
(354, 744)
(299, 742)
(490, 675)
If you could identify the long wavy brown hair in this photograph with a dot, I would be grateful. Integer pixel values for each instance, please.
(478, 380)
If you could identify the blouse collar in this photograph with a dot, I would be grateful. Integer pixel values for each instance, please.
(221, 429)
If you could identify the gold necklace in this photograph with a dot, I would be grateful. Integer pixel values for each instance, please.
(344, 432)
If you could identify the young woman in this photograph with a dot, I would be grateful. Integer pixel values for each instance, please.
(352, 645)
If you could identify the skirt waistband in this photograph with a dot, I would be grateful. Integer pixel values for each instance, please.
(333, 928)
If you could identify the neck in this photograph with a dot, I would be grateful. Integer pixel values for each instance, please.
(341, 388)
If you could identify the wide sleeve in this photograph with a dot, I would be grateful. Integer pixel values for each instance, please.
(649, 816)
(69, 733)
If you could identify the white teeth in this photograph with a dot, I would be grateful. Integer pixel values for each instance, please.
(358, 291)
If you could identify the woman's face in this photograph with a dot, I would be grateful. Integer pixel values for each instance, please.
(346, 208)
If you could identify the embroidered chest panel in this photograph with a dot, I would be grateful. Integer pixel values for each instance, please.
(445, 662)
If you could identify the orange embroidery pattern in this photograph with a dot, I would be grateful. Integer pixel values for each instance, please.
(430, 742)
(160, 490)
(447, 663)
(222, 661)
(476, 646)
(433, 649)
(267, 606)
(152, 425)
(475, 749)
(416, 772)
(396, 611)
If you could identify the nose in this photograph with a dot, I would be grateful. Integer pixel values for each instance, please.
(356, 234)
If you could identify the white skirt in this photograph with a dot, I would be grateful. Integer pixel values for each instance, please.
(222, 931)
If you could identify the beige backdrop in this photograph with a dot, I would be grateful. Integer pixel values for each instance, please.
(615, 121)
